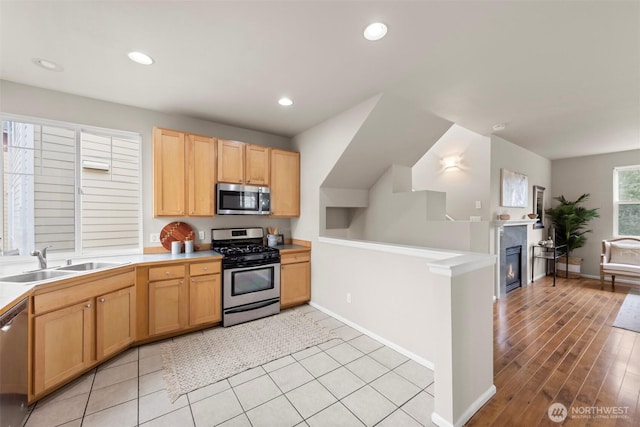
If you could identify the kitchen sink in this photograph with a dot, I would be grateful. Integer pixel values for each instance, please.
(88, 266)
(35, 276)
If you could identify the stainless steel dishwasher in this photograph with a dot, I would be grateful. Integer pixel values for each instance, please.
(13, 365)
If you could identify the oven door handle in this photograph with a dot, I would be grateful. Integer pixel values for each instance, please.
(252, 306)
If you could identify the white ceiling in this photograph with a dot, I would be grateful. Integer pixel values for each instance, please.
(563, 76)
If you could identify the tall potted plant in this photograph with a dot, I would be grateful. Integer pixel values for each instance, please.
(570, 220)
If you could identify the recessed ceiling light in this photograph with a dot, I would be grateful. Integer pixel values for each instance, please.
(140, 58)
(499, 127)
(47, 65)
(285, 102)
(375, 31)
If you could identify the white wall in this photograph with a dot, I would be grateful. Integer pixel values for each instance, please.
(46, 104)
(465, 185)
(507, 155)
(396, 214)
(392, 294)
(594, 175)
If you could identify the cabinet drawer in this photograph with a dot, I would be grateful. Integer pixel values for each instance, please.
(166, 272)
(201, 268)
(82, 291)
(295, 257)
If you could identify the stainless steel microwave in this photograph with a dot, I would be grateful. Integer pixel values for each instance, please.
(236, 199)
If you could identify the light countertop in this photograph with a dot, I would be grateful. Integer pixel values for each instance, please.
(12, 293)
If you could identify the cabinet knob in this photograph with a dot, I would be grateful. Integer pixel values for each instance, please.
(181, 282)
(192, 212)
(168, 273)
(206, 268)
(101, 299)
(193, 280)
(88, 305)
(181, 212)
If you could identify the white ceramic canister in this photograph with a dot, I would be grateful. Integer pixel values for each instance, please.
(176, 247)
(188, 246)
(272, 240)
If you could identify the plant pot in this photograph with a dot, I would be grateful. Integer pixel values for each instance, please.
(574, 267)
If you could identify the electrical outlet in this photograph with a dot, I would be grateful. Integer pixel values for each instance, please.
(478, 204)
(201, 235)
(349, 297)
(154, 237)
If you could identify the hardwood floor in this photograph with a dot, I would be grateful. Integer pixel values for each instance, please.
(557, 345)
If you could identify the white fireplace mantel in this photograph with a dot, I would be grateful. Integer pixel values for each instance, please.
(505, 223)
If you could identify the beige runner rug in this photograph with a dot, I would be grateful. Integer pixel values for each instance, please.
(195, 361)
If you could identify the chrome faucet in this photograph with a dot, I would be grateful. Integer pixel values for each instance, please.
(42, 256)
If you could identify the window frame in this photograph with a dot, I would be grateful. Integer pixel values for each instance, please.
(79, 129)
(616, 198)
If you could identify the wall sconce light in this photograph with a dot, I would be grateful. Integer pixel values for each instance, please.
(451, 162)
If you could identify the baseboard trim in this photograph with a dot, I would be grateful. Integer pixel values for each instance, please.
(466, 416)
(422, 361)
(607, 279)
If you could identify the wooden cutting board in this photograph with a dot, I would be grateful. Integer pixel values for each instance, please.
(173, 231)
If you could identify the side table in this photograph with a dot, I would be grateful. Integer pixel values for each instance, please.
(549, 253)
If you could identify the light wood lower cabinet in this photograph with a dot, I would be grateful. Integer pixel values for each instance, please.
(205, 303)
(167, 306)
(295, 279)
(78, 325)
(115, 322)
(191, 298)
(63, 344)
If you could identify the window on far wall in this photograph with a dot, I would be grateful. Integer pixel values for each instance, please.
(74, 188)
(626, 201)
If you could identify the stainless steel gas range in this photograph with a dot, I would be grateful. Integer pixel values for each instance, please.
(250, 274)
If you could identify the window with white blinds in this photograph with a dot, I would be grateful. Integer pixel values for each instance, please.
(74, 189)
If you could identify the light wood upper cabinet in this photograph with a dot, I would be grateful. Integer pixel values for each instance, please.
(183, 174)
(201, 161)
(231, 161)
(256, 165)
(169, 179)
(285, 183)
(240, 163)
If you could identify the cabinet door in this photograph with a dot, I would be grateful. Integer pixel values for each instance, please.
(230, 161)
(285, 183)
(167, 306)
(201, 166)
(205, 304)
(168, 173)
(63, 344)
(115, 322)
(257, 165)
(295, 284)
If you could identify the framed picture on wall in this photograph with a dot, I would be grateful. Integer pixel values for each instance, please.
(538, 206)
(514, 189)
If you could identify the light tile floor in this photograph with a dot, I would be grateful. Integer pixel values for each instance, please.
(350, 381)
